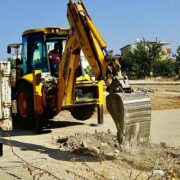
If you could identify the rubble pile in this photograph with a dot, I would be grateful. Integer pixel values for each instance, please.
(102, 144)
(150, 158)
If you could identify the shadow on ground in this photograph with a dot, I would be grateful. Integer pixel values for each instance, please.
(62, 124)
(56, 154)
(18, 130)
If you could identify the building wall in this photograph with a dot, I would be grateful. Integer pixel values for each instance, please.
(166, 52)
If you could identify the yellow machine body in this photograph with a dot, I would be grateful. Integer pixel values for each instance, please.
(130, 111)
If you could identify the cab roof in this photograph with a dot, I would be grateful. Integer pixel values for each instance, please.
(48, 30)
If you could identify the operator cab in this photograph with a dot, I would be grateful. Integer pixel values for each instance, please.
(36, 46)
(55, 46)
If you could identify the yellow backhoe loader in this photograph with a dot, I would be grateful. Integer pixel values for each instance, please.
(38, 93)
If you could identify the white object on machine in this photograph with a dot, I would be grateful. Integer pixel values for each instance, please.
(5, 96)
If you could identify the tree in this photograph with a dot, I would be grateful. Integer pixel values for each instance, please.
(141, 61)
(178, 54)
(141, 57)
(155, 50)
(177, 64)
(128, 66)
(164, 68)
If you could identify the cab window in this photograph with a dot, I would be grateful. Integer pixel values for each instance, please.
(37, 59)
(24, 54)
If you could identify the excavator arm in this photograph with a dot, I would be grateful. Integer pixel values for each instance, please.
(90, 40)
(130, 111)
(85, 36)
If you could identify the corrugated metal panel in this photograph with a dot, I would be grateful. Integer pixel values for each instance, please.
(5, 96)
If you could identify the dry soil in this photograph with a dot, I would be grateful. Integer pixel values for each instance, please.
(72, 149)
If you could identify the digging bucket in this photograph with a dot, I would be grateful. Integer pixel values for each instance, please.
(131, 113)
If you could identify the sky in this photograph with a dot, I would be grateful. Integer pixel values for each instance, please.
(120, 22)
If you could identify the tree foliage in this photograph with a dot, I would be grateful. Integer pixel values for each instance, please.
(164, 68)
(178, 54)
(143, 60)
(177, 64)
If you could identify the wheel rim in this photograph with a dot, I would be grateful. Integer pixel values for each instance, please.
(22, 104)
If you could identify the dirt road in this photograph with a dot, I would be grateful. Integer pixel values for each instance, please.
(165, 127)
(42, 150)
(165, 124)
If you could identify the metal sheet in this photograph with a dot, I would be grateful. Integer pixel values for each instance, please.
(5, 96)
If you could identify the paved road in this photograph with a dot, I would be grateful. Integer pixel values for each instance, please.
(153, 83)
(165, 127)
(39, 150)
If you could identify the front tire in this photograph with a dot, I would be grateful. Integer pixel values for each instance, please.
(25, 106)
(82, 112)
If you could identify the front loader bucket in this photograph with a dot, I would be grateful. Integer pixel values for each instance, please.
(131, 113)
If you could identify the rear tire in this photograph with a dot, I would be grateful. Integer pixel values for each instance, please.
(82, 112)
(25, 106)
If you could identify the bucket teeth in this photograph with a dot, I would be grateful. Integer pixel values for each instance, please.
(132, 116)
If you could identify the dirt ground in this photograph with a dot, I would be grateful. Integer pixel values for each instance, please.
(165, 100)
(162, 97)
(71, 149)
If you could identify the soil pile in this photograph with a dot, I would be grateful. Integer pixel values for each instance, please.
(155, 161)
(102, 144)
